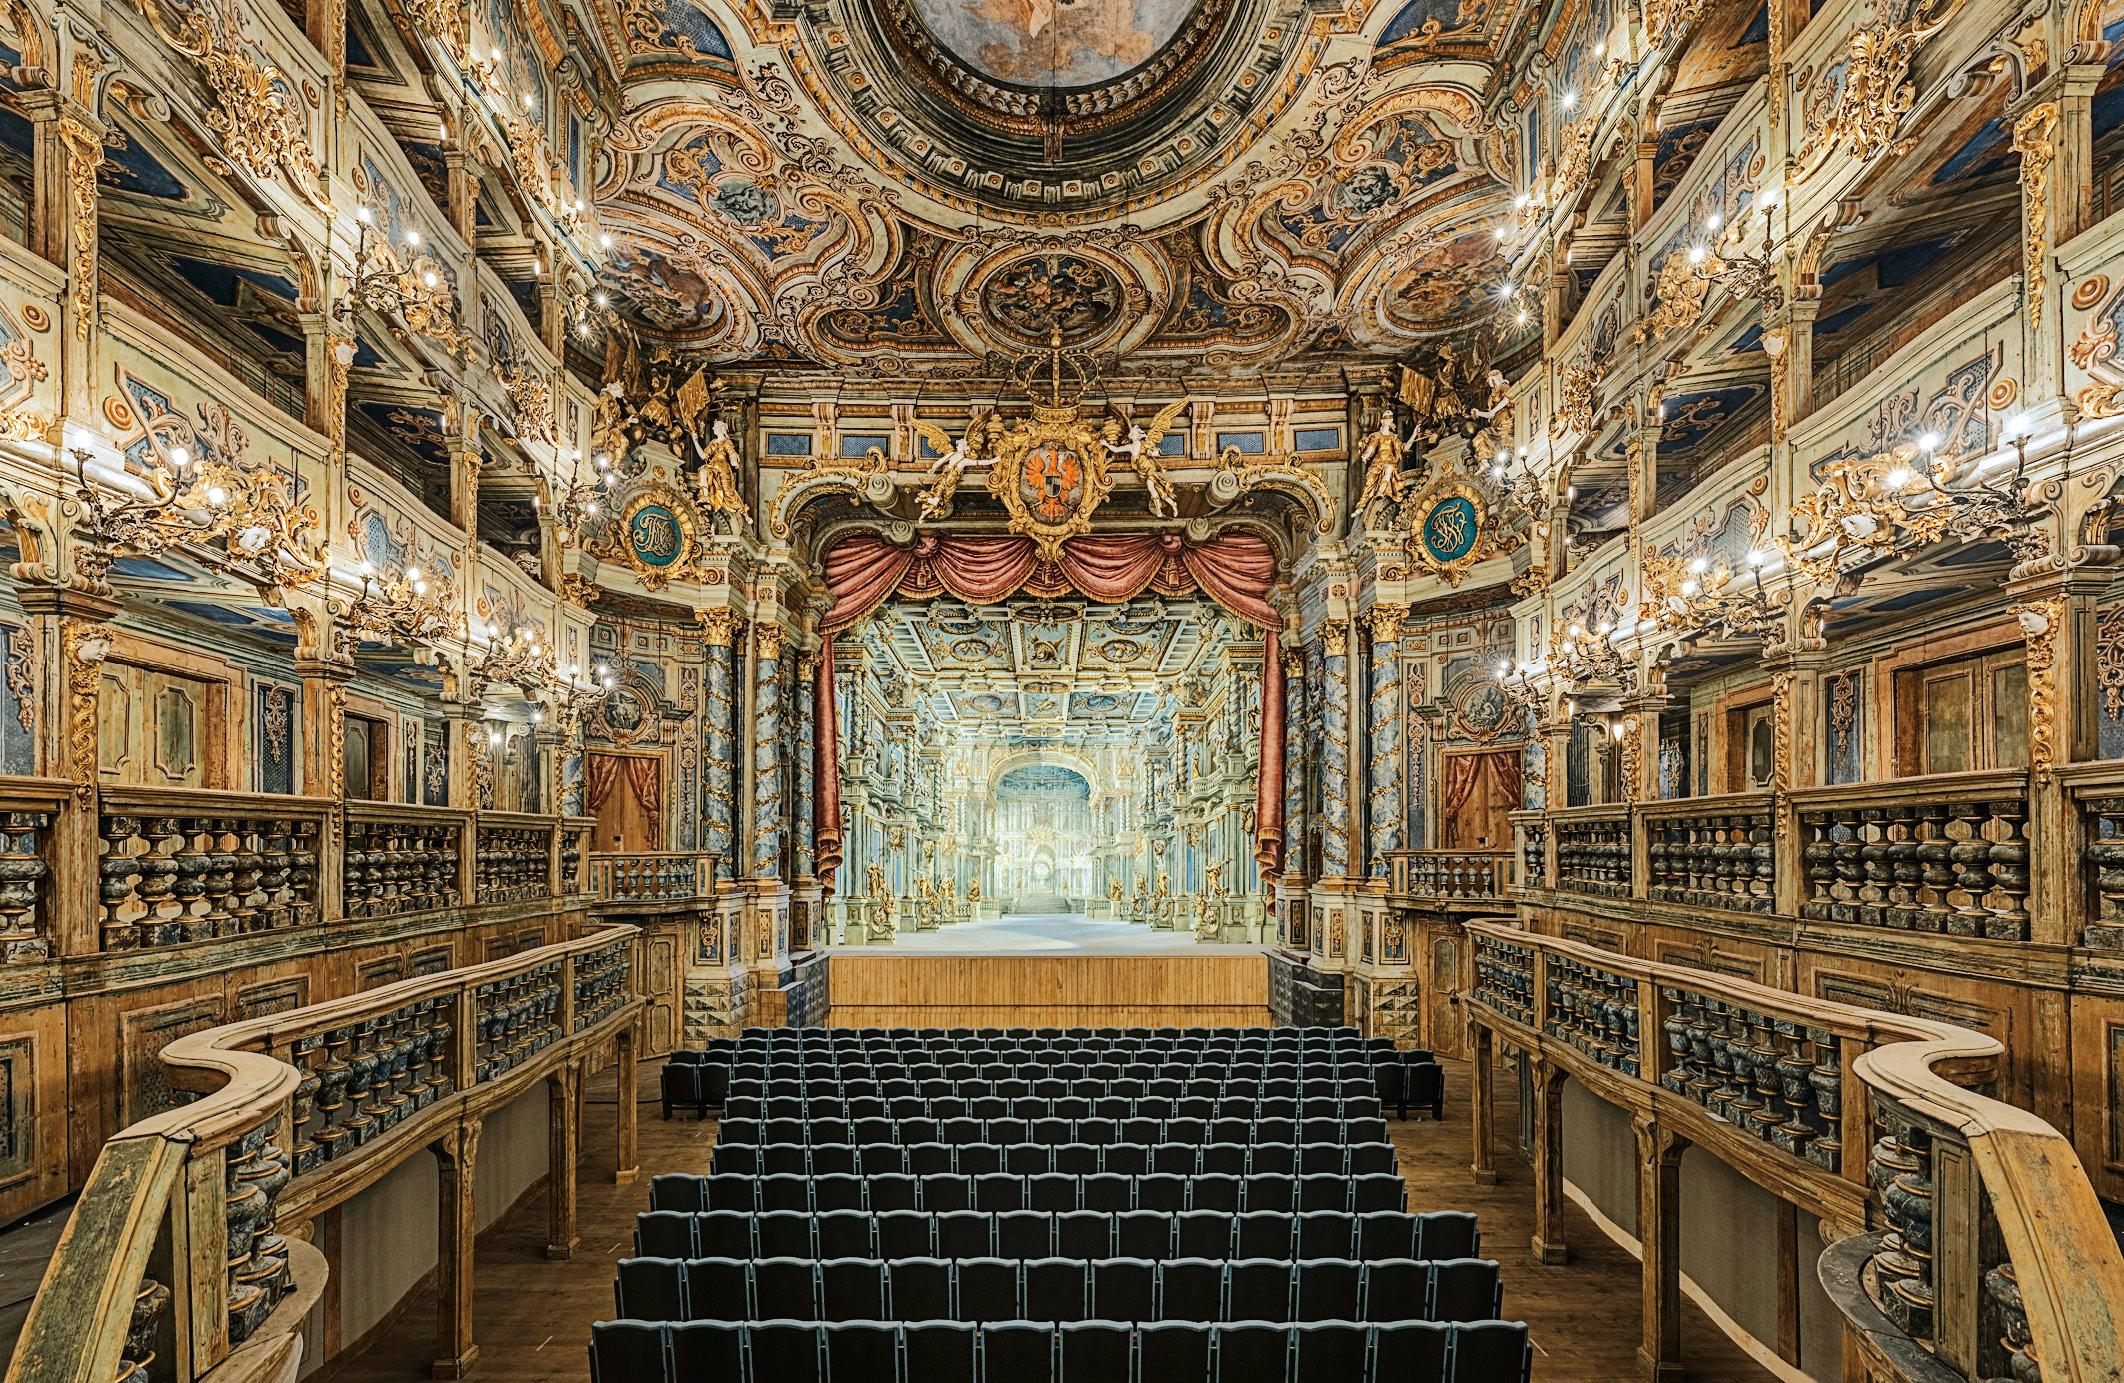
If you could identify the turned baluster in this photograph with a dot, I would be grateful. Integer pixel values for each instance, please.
(1971, 854)
(249, 902)
(332, 1135)
(1845, 849)
(304, 1054)
(359, 1120)
(188, 866)
(2009, 871)
(115, 890)
(1900, 859)
(302, 883)
(1935, 855)
(21, 871)
(1902, 1169)
(1827, 1078)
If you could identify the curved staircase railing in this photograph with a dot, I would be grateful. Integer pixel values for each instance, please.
(172, 1267)
(1969, 1242)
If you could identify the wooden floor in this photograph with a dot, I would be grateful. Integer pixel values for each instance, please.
(1221, 987)
(532, 1318)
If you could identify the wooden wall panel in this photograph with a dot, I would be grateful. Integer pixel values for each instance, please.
(2098, 1093)
(1070, 991)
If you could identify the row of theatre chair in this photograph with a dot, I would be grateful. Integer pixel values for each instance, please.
(1069, 1352)
(1361, 1129)
(1053, 1191)
(1031, 1159)
(1057, 1289)
(1084, 1039)
(1152, 1235)
(1328, 1103)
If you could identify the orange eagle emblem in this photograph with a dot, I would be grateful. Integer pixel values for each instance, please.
(1051, 482)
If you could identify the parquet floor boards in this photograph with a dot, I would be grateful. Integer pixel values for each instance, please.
(532, 1317)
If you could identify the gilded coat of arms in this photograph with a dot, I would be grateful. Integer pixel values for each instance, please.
(1051, 472)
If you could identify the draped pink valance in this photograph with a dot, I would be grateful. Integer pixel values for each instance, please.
(1235, 569)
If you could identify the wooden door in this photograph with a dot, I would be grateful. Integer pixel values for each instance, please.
(622, 821)
(1444, 1036)
(660, 987)
(1481, 822)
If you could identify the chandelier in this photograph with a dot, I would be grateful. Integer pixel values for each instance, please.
(416, 290)
(395, 610)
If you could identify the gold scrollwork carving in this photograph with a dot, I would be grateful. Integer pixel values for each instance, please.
(86, 644)
(2032, 140)
(2042, 626)
(1574, 399)
(84, 155)
(260, 119)
(1876, 95)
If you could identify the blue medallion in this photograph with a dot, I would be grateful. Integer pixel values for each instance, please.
(1450, 529)
(654, 535)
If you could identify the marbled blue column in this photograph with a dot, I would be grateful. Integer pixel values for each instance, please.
(1335, 755)
(806, 800)
(1383, 763)
(1294, 765)
(719, 754)
(767, 758)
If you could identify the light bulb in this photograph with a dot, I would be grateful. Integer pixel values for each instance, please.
(412, 237)
(1570, 99)
(605, 241)
(1522, 316)
(412, 573)
(180, 456)
(1712, 222)
(1755, 557)
(217, 495)
(1769, 199)
(574, 669)
(1699, 565)
(1929, 441)
(1898, 478)
(601, 669)
(428, 279)
(1688, 588)
(494, 737)
(609, 682)
(1520, 200)
(593, 506)
(420, 588)
(1696, 254)
(361, 214)
(367, 570)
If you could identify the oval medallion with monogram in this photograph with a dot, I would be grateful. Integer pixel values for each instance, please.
(654, 535)
(1451, 529)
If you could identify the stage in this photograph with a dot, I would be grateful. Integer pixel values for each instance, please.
(1046, 934)
(1048, 971)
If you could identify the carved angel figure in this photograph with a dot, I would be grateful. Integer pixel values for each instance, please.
(1380, 454)
(1113, 890)
(973, 891)
(874, 879)
(1142, 451)
(718, 478)
(950, 463)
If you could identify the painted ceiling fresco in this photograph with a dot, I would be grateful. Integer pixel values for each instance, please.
(926, 184)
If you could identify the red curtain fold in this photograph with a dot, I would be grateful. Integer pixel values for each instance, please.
(825, 771)
(645, 777)
(1236, 569)
(604, 772)
(861, 571)
(1268, 792)
(1115, 566)
(1511, 783)
(981, 568)
(1463, 772)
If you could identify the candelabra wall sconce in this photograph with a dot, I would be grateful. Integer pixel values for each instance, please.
(1741, 274)
(396, 611)
(581, 500)
(1700, 593)
(413, 288)
(195, 494)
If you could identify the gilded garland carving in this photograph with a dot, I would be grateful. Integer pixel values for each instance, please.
(2042, 625)
(86, 644)
(21, 674)
(1843, 711)
(1781, 728)
(259, 121)
(1574, 399)
(2109, 662)
(336, 741)
(84, 157)
(1681, 292)
(2032, 140)
(1875, 96)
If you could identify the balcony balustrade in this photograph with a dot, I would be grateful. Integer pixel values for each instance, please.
(652, 876)
(1593, 850)
(1714, 852)
(1989, 1249)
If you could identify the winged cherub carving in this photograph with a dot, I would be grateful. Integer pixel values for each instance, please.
(951, 461)
(1142, 452)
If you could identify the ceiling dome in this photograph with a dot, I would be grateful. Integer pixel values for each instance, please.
(1061, 45)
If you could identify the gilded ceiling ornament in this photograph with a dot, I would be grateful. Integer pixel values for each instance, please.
(21, 425)
(2032, 140)
(1681, 293)
(442, 20)
(1875, 95)
(261, 128)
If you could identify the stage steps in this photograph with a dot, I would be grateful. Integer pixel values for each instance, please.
(1040, 904)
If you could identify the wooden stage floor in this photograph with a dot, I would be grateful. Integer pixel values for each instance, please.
(1045, 934)
(532, 1318)
(1209, 986)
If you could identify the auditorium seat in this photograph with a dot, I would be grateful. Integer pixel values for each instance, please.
(1093, 1351)
(652, 1289)
(1169, 1349)
(1465, 1289)
(785, 1351)
(1190, 1289)
(782, 1234)
(1397, 1289)
(1328, 1351)
(1084, 1233)
(1144, 1234)
(844, 1234)
(862, 1349)
(963, 1234)
(852, 1289)
(1327, 1290)
(1054, 1289)
(1250, 1352)
(920, 1289)
(1258, 1289)
(905, 1233)
(631, 1352)
(1018, 1351)
(1023, 1234)
(987, 1289)
(1444, 1234)
(706, 1349)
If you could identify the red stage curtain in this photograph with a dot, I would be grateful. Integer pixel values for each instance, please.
(1268, 793)
(861, 571)
(604, 772)
(646, 777)
(1115, 566)
(1463, 771)
(981, 568)
(825, 771)
(1236, 569)
(1505, 768)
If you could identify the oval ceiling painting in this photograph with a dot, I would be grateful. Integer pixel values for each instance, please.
(1032, 298)
(1065, 43)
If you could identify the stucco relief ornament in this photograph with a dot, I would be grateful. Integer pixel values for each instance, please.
(1451, 530)
(658, 535)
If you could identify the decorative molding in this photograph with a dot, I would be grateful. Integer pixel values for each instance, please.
(2042, 625)
(2032, 140)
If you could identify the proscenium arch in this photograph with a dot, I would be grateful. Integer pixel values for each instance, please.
(1047, 758)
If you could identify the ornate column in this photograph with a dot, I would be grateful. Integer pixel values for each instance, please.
(806, 917)
(767, 757)
(1384, 807)
(719, 751)
(563, 1136)
(1336, 850)
(456, 1158)
(1548, 1242)
(67, 148)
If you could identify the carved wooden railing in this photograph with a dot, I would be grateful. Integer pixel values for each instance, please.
(1449, 876)
(1948, 854)
(30, 809)
(1531, 832)
(185, 864)
(401, 858)
(518, 857)
(1593, 852)
(1989, 1249)
(652, 875)
(1712, 852)
(288, 1116)
(575, 853)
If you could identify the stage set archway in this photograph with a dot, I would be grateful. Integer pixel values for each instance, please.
(1235, 568)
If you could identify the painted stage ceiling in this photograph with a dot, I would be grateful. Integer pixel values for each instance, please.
(930, 186)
